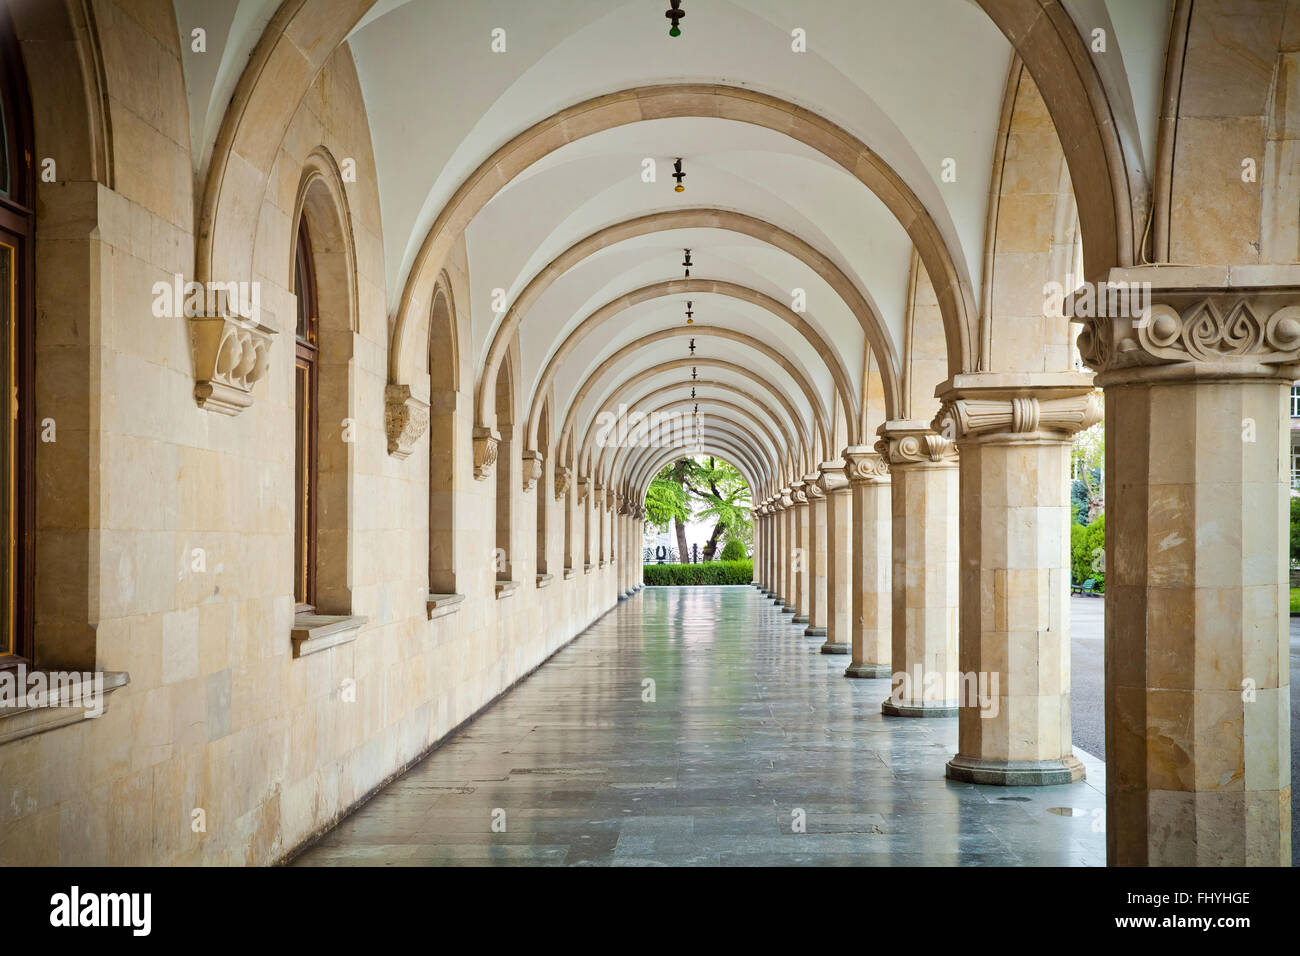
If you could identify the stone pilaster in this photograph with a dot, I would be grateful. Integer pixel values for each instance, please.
(872, 546)
(839, 558)
(802, 541)
(789, 557)
(923, 573)
(1013, 431)
(816, 557)
(1197, 643)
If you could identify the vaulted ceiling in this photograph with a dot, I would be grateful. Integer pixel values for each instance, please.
(920, 82)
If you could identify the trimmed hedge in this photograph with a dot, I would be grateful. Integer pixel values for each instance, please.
(733, 550)
(711, 572)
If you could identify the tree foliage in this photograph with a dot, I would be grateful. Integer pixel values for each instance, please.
(701, 488)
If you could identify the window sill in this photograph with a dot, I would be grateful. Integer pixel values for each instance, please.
(19, 722)
(441, 605)
(544, 579)
(313, 633)
(506, 588)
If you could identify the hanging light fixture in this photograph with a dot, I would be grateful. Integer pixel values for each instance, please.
(694, 373)
(686, 263)
(690, 321)
(679, 176)
(675, 15)
(692, 391)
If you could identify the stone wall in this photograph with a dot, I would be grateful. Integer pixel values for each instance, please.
(187, 516)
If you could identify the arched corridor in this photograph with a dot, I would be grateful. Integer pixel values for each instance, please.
(346, 338)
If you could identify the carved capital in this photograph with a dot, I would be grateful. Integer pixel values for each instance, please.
(1018, 417)
(797, 493)
(563, 478)
(584, 489)
(832, 478)
(532, 469)
(905, 443)
(486, 443)
(812, 489)
(863, 465)
(231, 353)
(1202, 323)
(406, 418)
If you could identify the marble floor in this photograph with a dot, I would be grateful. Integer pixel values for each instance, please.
(698, 726)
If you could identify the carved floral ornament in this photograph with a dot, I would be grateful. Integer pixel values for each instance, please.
(812, 489)
(832, 478)
(1223, 332)
(797, 494)
(863, 465)
(563, 478)
(406, 418)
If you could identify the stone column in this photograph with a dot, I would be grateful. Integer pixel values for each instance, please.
(1013, 431)
(839, 557)
(816, 557)
(802, 539)
(872, 546)
(789, 541)
(923, 571)
(1197, 629)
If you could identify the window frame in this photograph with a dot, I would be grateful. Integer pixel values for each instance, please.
(306, 424)
(18, 232)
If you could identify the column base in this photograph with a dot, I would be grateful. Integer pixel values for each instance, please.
(777, 599)
(1015, 773)
(622, 597)
(890, 708)
(814, 631)
(799, 619)
(789, 609)
(868, 670)
(835, 647)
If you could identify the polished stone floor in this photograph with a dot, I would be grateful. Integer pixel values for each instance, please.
(698, 726)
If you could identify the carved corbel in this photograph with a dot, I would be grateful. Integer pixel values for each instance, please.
(231, 353)
(812, 489)
(831, 478)
(584, 489)
(797, 493)
(406, 418)
(486, 443)
(563, 478)
(532, 470)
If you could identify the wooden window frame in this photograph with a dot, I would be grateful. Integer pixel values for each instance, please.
(306, 424)
(18, 231)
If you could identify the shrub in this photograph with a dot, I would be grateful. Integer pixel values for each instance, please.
(1087, 545)
(733, 550)
(712, 572)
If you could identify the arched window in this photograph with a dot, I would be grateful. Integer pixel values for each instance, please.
(17, 349)
(306, 403)
(543, 491)
(443, 382)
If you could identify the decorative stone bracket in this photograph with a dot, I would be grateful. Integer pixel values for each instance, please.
(231, 353)
(563, 478)
(486, 443)
(910, 442)
(812, 489)
(797, 493)
(584, 489)
(406, 418)
(862, 465)
(785, 499)
(532, 469)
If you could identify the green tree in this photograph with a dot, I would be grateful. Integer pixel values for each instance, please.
(1295, 530)
(1088, 459)
(701, 488)
(734, 550)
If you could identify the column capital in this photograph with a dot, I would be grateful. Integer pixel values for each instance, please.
(906, 442)
(784, 500)
(797, 493)
(832, 478)
(406, 418)
(864, 466)
(1017, 406)
(584, 488)
(1198, 322)
(812, 489)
